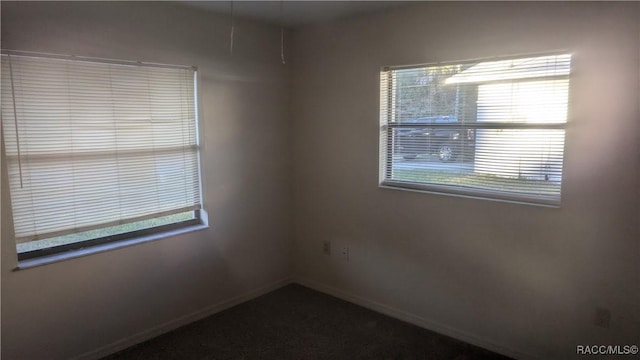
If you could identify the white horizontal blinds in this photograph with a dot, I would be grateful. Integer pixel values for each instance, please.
(100, 144)
(493, 128)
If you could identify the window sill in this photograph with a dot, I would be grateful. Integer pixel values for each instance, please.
(72, 254)
(473, 194)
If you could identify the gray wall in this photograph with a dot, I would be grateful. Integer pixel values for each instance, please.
(69, 308)
(523, 279)
(520, 279)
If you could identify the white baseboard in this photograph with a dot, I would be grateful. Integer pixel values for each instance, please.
(369, 304)
(416, 320)
(181, 321)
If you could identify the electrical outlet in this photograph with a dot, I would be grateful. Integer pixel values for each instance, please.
(326, 247)
(602, 317)
(345, 253)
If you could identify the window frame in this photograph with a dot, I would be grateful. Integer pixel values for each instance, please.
(32, 254)
(200, 217)
(388, 124)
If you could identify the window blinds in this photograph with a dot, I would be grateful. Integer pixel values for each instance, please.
(93, 144)
(489, 128)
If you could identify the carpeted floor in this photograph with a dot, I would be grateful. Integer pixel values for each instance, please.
(295, 322)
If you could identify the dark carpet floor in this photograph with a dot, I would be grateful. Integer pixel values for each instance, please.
(295, 322)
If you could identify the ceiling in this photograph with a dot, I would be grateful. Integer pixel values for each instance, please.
(294, 13)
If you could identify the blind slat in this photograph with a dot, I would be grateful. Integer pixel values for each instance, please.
(489, 128)
(100, 144)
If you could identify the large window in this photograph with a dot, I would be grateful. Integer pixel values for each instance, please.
(492, 129)
(97, 151)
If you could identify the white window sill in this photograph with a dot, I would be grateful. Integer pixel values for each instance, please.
(471, 194)
(72, 254)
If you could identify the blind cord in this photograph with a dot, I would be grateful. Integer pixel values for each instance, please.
(282, 32)
(232, 30)
(15, 119)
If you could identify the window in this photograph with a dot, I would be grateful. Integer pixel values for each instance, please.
(493, 129)
(97, 151)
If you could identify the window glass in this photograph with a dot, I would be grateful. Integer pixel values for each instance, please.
(492, 129)
(96, 149)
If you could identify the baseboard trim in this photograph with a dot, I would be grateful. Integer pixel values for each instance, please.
(341, 294)
(415, 319)
(181, 321)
